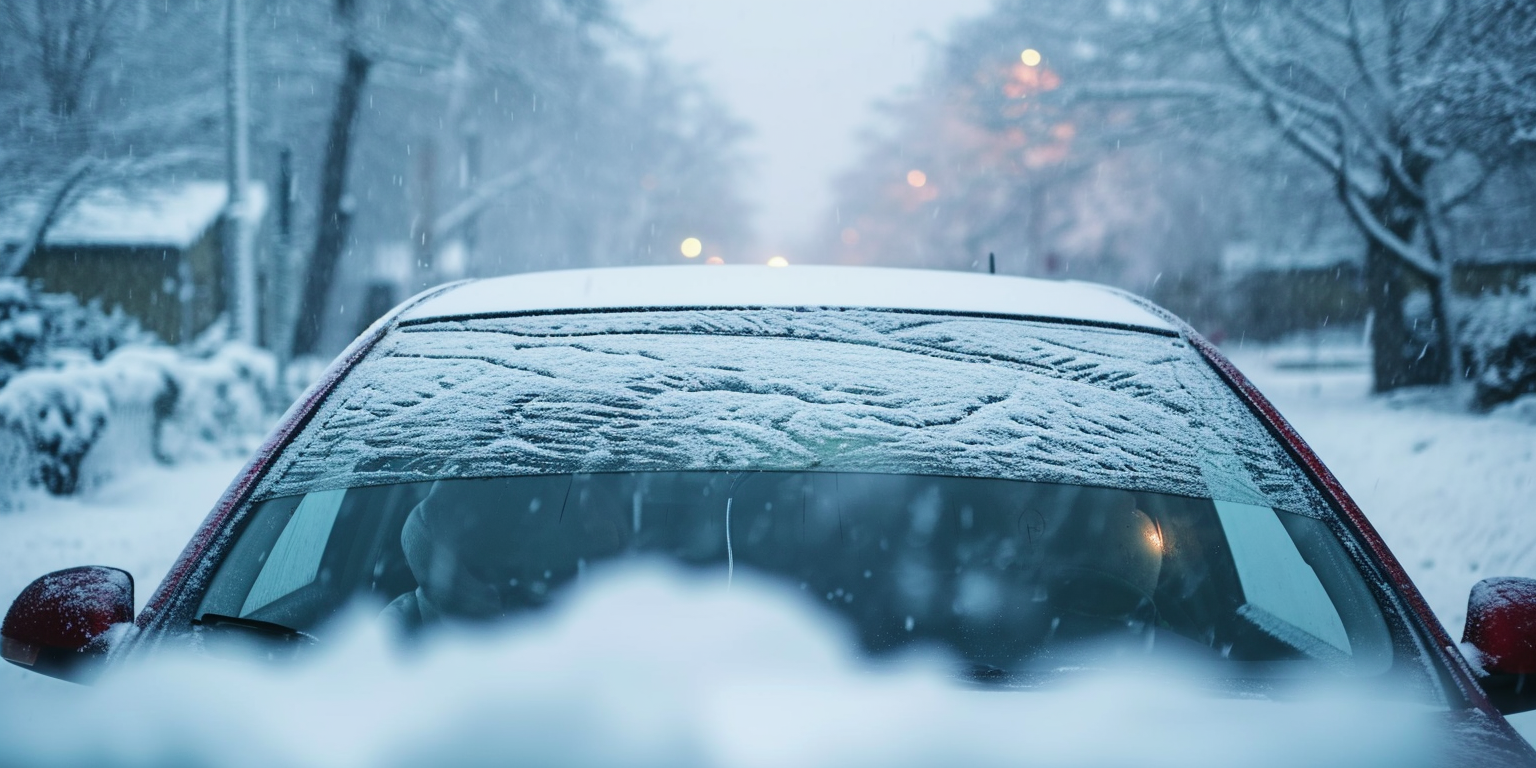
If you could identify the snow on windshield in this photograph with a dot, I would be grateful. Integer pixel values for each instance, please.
(850, 390)
(647, 666)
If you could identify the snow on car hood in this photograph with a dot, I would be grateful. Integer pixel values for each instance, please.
(780, 389)
(648, 665)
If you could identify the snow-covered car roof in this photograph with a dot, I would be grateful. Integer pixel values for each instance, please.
(694, 286)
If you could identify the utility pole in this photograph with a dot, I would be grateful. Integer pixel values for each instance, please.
(240, 279)
(424, 238)
(281, 305)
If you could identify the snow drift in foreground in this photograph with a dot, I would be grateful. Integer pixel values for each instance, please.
(646, 666)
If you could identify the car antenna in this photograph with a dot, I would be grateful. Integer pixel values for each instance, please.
(991, 263)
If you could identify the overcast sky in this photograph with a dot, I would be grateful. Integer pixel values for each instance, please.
(805, 75)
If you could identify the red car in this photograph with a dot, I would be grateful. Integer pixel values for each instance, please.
(1036, 476)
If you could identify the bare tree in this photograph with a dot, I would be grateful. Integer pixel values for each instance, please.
(1088, 188)
(412, 49)
(1382, 96)
(334, 218)
(1407, 107)
(73, 119)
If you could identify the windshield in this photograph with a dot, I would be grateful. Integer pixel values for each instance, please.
(1019, 493)
(787, 389)
(1008, 576)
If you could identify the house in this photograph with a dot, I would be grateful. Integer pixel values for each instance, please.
(1271, 293)
(154, 250)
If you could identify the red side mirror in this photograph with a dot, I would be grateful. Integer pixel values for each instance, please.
(1501, 625)
(58, 623)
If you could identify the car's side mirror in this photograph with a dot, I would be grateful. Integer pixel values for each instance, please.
(1501, 625)
(58, 625)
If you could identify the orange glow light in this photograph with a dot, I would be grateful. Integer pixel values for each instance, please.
(714, 260)
(850, 236)
(917, 178)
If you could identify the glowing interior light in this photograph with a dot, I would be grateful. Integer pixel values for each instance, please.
(778, 261)
(917, 178)
(692, 247)
(1030, 57)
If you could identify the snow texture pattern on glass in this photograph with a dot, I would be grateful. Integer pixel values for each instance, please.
(850, 390)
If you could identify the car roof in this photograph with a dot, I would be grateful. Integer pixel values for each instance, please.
(740, 286)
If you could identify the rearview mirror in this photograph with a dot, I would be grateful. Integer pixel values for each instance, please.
(58, 625)
(1501, 625)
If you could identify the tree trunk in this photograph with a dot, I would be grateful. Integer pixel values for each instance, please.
(1406, 347)
(1409, 345)
(335, 220)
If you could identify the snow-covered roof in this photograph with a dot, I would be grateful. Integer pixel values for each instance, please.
(795, 286)
(1246, 257)
(170, 215)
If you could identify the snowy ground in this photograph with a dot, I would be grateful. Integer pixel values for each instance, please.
(1453, 494)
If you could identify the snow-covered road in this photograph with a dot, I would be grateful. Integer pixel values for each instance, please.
(1454, 495)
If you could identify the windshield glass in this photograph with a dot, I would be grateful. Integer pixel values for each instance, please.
(1018, 492)
(1009, 576)
(785, 389)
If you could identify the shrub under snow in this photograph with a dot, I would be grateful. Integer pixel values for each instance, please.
(1500, 338)
(83, 392)
(39, 330)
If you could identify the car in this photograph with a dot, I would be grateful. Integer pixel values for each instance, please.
(1036, 476)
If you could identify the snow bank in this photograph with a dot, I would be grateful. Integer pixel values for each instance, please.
(646, 666)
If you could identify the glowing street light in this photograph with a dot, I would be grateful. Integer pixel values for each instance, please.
(691, 247)
(1030, 57)
(916, 178)
(778, 261)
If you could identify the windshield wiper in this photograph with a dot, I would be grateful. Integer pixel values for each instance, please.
(265, 629)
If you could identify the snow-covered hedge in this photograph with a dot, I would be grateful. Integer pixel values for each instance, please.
(39, 330)
(84, 393)
(1500, 340)
(141, 403)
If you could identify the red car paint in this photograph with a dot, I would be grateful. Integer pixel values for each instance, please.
(298, 417)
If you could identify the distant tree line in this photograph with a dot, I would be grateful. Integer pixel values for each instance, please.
(510, 134)
(1134, 141)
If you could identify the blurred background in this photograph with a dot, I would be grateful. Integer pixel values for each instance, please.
(288, 171)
